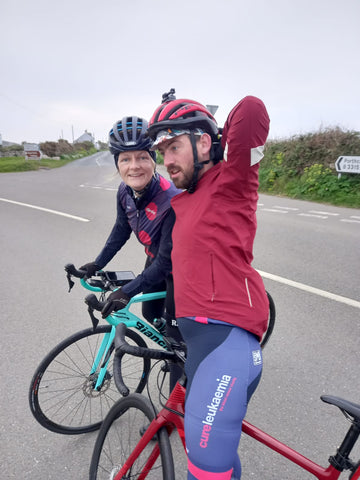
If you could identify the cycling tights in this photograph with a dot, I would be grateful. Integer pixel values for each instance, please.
(223, 369)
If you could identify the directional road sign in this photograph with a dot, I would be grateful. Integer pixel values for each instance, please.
(348, 164)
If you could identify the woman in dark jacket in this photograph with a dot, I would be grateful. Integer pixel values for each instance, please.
(143, 207)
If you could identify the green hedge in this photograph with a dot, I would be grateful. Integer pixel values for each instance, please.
(304, 167)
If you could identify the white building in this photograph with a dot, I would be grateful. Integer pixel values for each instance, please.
(85, 137)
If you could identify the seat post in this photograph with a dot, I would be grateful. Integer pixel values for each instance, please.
(341, 460)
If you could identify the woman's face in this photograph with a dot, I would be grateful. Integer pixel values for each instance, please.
(136, 168)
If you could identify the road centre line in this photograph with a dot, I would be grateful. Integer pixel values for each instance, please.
(286, 208)
(273, 210)
(349, 220)
(48, 210)
(307, 288)
(311, 215)
(323, 213)
(99, 187)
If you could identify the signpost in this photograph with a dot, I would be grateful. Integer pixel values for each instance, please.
(347, 165)
(32, 150)
(212, 109)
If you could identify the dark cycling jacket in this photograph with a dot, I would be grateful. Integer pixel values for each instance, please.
(151, 218)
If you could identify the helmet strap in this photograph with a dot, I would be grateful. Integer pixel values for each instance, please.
(197, 165)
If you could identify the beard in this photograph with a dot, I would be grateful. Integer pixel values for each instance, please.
(184, 180)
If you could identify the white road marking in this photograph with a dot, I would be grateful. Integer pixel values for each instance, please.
(311, 215)
(286, 208)
(99, 187)
(323, 213)
(307, 288)
(348, 220)
(273, 210)
(48, 210)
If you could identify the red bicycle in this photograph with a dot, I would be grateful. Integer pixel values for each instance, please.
(133, 442)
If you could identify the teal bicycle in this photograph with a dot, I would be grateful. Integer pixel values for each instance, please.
(72, 389)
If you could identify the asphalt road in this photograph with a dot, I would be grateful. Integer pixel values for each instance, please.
(314, 349)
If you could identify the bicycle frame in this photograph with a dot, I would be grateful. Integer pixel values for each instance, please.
(171, 416)
(321, 473)
(132, 321)
(356, 475)
(168, 418)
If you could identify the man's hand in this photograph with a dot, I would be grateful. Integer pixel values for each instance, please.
(90, 269)
(116, 301)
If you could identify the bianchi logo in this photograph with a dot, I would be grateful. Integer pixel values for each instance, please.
(150, 333)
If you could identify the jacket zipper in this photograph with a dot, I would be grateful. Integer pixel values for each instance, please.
(248, 291)
(137, 223)
(212, 277)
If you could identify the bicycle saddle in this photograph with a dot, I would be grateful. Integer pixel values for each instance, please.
(350, 408)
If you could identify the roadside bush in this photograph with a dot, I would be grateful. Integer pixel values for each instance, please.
(64, 149)
(11, 150)
(304, 167)
(49, 149)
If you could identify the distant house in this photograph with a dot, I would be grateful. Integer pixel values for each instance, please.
(4, 143)
(85, 137)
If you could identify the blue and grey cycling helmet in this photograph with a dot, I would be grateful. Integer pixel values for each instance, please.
(130, 134)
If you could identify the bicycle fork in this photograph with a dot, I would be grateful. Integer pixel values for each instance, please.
(105, 347)
(171, 417)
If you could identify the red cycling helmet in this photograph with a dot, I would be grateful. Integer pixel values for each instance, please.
(186, 115)
(182, 114)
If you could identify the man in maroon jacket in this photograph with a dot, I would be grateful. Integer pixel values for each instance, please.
(220, 300)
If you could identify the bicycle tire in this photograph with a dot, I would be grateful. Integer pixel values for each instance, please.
(271, 321)
(62, 396)
(118, 436)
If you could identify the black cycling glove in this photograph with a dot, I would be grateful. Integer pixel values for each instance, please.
(116, 301)
(90, 268)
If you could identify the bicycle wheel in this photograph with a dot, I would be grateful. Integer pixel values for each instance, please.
(271, 321)
(118, 437)
(62, 393)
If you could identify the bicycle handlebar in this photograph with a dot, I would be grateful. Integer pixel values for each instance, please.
(102, 281)
(92, 301)
(71, 270)
(95, 285)
(122, 347)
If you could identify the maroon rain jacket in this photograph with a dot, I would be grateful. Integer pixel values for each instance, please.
(215, 229)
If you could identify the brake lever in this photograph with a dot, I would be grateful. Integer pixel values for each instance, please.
(71, 283)
(94, 320)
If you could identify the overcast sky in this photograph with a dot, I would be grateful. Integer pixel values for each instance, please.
(74, 65)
